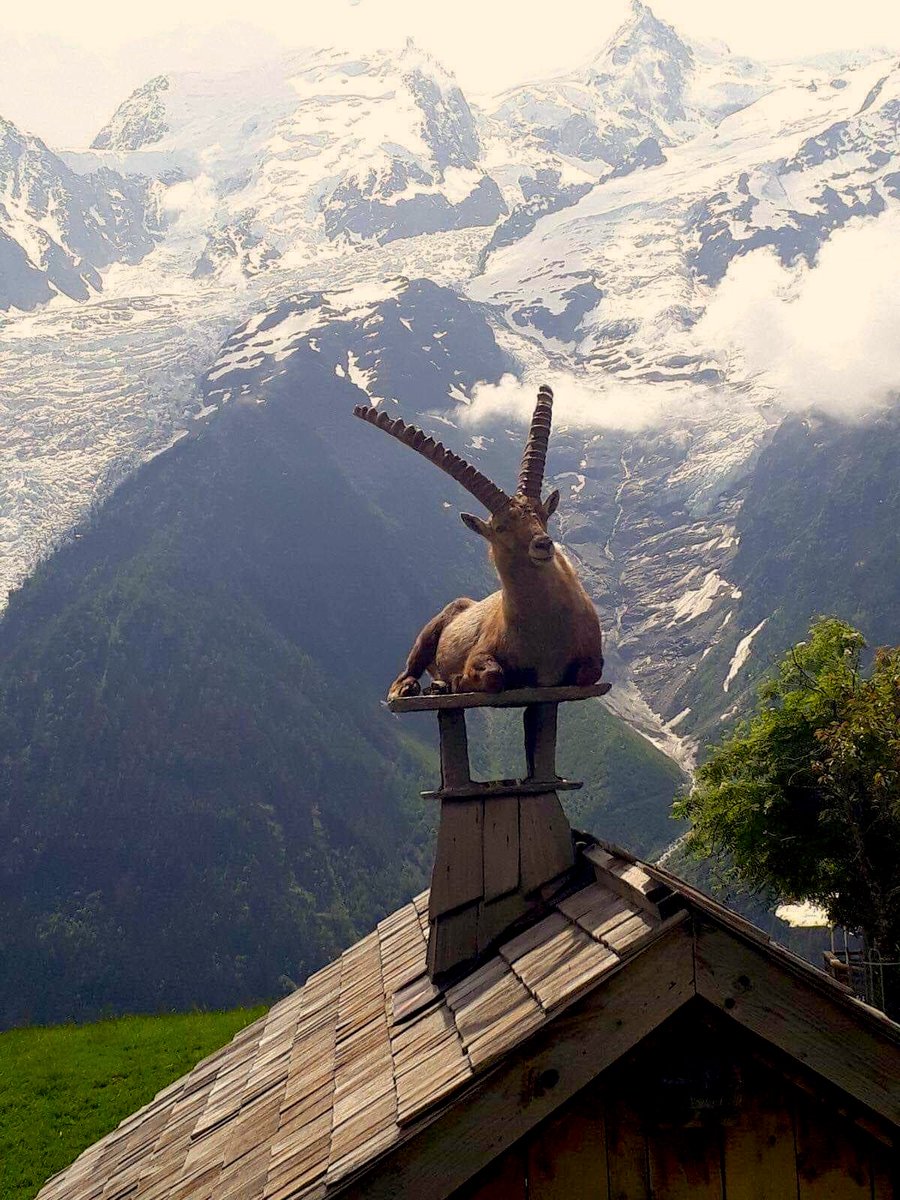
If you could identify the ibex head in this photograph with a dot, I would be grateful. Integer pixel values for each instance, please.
(518, 529)
(518, 524)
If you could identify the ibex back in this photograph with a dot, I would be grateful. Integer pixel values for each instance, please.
(541, 627)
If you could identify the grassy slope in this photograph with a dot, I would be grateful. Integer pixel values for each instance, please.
(63, 1087)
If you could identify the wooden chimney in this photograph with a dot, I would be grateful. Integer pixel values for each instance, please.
(503, 847)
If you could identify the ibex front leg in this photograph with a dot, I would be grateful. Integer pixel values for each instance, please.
(584, 672)
(423, 653)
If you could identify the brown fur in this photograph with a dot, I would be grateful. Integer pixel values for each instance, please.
(539, 629)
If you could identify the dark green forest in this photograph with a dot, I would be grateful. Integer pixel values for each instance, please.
(201, 797)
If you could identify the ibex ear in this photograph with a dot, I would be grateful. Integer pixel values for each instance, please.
(551, 503)
(476, 524)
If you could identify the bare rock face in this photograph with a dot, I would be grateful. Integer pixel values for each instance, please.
(58, 230)
(138, 121)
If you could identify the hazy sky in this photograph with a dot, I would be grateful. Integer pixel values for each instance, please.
(64, 65)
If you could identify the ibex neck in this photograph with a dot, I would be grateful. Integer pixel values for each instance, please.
(527, 588)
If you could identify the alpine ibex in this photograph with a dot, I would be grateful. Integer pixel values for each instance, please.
(540, 628)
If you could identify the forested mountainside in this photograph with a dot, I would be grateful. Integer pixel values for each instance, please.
(202, 797)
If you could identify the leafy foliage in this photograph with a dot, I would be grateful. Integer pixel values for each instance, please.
(62, 1088)
(804, 798)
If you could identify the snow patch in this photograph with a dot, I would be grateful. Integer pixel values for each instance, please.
(741, 654)
(679, 717)
(695, 603)
(625, 701)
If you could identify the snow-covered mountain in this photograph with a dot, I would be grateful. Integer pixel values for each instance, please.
(850, 168)
(588, 221)
(646, 83)
(318, 147)
(59, 230)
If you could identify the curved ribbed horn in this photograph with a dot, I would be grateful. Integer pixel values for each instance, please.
(473, 481)
(531, 473)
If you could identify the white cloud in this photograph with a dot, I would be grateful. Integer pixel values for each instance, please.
(190, 205)
(828, 336)
(598, 403)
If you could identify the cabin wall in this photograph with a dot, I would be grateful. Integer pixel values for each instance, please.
(700, 1110)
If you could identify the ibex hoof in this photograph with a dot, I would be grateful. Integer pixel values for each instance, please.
(404, 686)
(438, 687)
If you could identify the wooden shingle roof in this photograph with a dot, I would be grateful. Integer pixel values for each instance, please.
(359, 1060)
(342, 1069)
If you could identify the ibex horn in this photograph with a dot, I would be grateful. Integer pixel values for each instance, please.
(531, 473)
(472, 480)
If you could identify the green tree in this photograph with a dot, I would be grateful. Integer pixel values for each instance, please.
(803, 799)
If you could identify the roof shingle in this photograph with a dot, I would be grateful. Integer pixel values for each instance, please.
(349, 1065)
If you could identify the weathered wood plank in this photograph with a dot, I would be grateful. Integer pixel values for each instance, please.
(885, 1175)
(567, 1154)
(497, 1013)
(629, 935)
(506, 1032)
(455, 771)
(431, 1077)
(545, 840)
(453, 940)
(592, 899)
(758, 1150)
(832, 1163)
(421, 1036)
(478, 790)
(626, 1149)
(564, 963)
(534, 937)
(629, 880)
(415, 996)
(685, 1164)
(501, 846)
(496, 918)
(539, 723)
(526, 1087)
(569, 979)
(458, 875)
(802, 1016)
(514, 698)
(502, 1180)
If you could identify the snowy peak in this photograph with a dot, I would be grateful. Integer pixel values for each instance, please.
(643, 35)
(409, 345)
(320, 146)
(644, 68)
(138, 121)
(448, 125)
(646, 83)
(58, 230)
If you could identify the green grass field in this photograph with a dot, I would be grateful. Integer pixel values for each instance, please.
(62, 1088)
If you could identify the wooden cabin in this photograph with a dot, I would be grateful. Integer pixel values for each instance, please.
(554, 1020)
